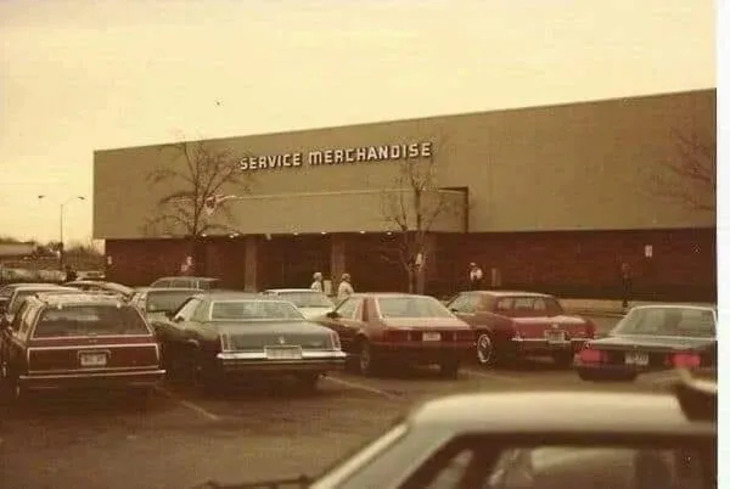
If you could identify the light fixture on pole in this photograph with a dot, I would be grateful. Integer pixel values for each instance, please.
(60, 242)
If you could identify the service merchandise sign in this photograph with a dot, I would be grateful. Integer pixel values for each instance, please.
(338, 156)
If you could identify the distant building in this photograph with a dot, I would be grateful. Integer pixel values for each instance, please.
(550, 199)
(16, 251)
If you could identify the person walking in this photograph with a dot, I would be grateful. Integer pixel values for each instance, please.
(345, 289)
(476, 277)
(318, 284)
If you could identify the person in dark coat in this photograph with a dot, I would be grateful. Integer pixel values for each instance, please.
(625, 285)
(70, 274)
(476, 277)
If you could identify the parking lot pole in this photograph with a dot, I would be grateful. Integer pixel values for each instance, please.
(61, 248)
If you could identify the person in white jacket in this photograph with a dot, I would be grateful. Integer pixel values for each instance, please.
(318, 282)
(345, 289)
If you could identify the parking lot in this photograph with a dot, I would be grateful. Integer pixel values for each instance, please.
(179, 438)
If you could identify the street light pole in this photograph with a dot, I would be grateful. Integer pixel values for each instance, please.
(61, 247)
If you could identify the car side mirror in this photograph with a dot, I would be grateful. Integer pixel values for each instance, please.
(333, 314)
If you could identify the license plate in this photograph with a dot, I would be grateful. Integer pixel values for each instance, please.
(284, 353)
(638, 359)
(93, 359)
(431, 336)
(555, 336)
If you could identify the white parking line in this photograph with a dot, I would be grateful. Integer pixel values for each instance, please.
(490, 375)
(363, 387)
(193, 407)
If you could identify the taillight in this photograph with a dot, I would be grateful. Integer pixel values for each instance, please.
(335, 339)
(395, 335)
(589, 355)
(685, 360)
(465, 336)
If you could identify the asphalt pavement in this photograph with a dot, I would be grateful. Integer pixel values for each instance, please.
(179, 438)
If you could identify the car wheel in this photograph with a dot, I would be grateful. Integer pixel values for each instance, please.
(449, 369)
(486, 352)
(366, 362)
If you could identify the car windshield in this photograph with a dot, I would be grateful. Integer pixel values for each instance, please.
(412, 307)
(668, 321)
(307, 299)
(166, 301)
(90, 320)
(252, 310)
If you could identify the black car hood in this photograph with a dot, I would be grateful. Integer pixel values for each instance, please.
(653, 342)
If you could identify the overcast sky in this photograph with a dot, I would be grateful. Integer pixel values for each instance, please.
(85, 75)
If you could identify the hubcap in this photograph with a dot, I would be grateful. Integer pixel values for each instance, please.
(485, 349)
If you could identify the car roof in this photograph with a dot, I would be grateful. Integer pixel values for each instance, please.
(185, 277)
(294, 290)
(508, 293)
(224, 295)
(43, 287)
(389, 294)
(80, 298)
(586, 411)
(164, 290)
(29, 284)
(697, 307)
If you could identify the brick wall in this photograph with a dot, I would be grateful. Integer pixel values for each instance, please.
(568, 264)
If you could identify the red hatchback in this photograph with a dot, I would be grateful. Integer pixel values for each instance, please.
(78, 340)
(381, 329)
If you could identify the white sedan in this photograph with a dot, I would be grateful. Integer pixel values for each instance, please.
(311, 303)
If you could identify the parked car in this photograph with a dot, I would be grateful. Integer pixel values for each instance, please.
(103, 287)
(202, 283)
(311, 303)
(652, 338)
(20, 292)
(387, 329)
(224, 336)
(511, 324)
(538, 440)
(158, 303)
(59, 341)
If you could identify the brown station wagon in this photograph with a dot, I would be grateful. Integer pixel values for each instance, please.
(78, 340)
(382, 329)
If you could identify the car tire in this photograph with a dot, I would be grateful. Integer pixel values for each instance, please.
(367, 363)
(486, 351)
(449, 369)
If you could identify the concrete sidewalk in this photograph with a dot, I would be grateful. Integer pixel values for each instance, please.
(607, 307)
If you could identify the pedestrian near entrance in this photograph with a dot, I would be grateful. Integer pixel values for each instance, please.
(625, 285)
(317, 284)
(345, 289)
(187, 267)
(476, 276)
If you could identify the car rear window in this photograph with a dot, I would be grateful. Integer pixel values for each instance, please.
(167, 301)
(21, 295)
(90, 320)
(254, 310)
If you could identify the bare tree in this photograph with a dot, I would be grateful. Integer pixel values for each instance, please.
(199, 176)
(691, 177)
(411, 210)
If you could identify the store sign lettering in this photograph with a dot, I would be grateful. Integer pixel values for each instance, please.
(338, 156)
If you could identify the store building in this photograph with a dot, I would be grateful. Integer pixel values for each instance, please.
(549, 198)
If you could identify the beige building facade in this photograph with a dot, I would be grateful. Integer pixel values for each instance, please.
(522, 176)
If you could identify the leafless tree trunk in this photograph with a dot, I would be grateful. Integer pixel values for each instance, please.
(200, 180)
(411, 211)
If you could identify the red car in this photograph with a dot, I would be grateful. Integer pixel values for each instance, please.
(513, 324)
(382, 329)
(78, 340)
